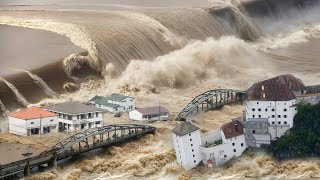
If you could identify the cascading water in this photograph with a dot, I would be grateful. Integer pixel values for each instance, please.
(18, 95)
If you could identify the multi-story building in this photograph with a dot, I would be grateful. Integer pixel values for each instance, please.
(273, 100)
(116, 103)
(186, 139)
(32, 121)
(219, 147)
(154, 113)
(76, 116)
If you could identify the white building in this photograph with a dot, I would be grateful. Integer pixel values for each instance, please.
(76, 116)
(186, 139)
(32, 121)
(116, 103)
(275, 100)
(223, 145)
(149, 114)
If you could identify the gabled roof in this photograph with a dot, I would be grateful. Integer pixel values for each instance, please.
(32, 113)
(184, 128)
(270, 92)
(95, 98)
(153, 110)
(73, 108)
(117, 97)
(104, 101)
(232, 129)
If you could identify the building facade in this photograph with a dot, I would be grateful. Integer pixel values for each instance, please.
(221, 146)
(154, 113)
(74, 116)
(116, 103)
(32, 121)
(186, 139)
(272, 102)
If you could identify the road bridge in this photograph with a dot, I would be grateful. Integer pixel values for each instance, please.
(211, 100)
(74, 145)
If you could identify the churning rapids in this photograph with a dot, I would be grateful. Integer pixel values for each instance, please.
(156, 51)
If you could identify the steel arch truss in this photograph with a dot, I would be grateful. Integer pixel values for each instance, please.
(211, 100)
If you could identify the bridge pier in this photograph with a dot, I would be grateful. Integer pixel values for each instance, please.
(26, 171)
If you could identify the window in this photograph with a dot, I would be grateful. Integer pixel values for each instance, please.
(285, 103)
(285, 122)
(253, 131)
(253, 109)
(98, 122)
(189, 134)
(241, 144)
(194, 161)
(234, 150)
(266, 109)
(259, 116)
(257, 102)
(192, 150)
(225, 156)
(191, 144)
(190, 139)
(253, 116)
(285, 116)
(272, 109)
(279, 116)
(259, 109)
(97, 114)
(32, 122)
(272, 116)
(51, 120)
(272, 122)
(193, 155)
(285, 110)
(233, 144)
(279, 122)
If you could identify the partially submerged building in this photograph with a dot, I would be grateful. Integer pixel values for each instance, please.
(221, 146)
(32, 121)
(154, 113)
(271, 105)
(77, 116)
(213, 149)
(116, 103)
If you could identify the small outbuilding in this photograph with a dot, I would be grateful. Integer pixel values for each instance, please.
(150, 114)
(32, 121)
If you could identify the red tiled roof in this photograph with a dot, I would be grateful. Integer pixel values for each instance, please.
(32, 113)
(232, 129)
(276, 89)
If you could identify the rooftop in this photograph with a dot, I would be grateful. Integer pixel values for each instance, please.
(270, 92)
(73, 108)
(32, 113)
(116, 97)
(232, 129)
(276, 89)
(104, 101)
(184, 128)
(95, 98)
(153, 110)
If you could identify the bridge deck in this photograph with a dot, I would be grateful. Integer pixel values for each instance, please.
(78, 143)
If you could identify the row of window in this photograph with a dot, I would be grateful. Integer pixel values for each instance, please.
(259, 109)
(279, 122)
(233, 144)
(272, 116)
(278, 103)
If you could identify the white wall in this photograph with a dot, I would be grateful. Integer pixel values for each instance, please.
(20, 126)
(76, 120)
(128, 104)
(135, 115)
(279, 113)
(187, 149)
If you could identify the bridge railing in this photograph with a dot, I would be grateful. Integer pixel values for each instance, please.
(211, 100)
